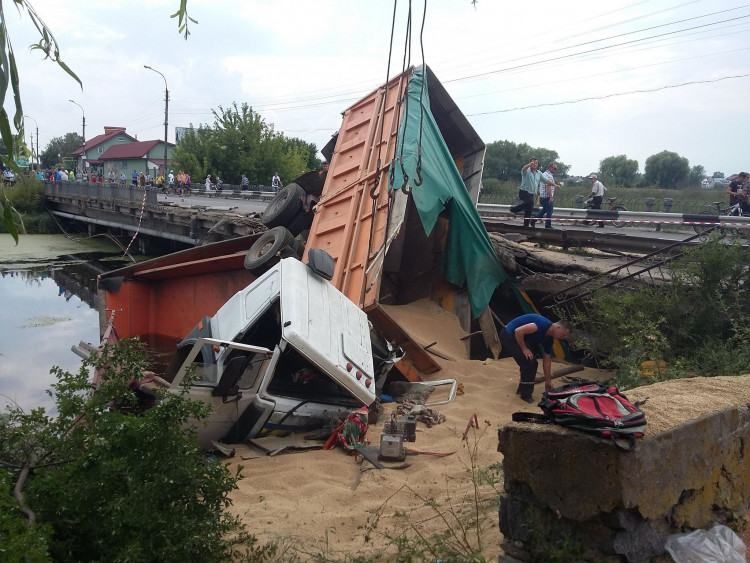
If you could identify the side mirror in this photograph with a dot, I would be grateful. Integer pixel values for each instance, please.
(320, 262)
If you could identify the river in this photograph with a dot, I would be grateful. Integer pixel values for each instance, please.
(47, 304)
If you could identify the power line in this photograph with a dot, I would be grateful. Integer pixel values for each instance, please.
(615, 71)
(612, 95)
(570, 55)
(624, 34)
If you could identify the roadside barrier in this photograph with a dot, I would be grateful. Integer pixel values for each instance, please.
(571, 215)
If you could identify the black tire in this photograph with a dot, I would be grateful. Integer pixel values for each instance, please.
(619, 224)
(264, 253)
(284, 207)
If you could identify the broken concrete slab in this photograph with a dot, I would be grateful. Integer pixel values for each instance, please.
(690, 470)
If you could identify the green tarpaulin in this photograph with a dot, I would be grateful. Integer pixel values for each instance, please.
(470, 260)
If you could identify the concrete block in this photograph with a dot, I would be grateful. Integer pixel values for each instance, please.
(689, 471)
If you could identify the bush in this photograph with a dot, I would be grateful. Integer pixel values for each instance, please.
(27, 195)
(698, 324)
(114, 482)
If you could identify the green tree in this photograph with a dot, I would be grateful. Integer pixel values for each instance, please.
(667, 169)
(697, 173)
(241, 142)
(504, 159)
(108, 479)
(619, 171)
(63, 146)
(717, 175)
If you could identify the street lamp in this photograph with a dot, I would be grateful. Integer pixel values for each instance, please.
(166, 114)
(37, 140)
(83, 114)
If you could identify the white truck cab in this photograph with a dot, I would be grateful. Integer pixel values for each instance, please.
(289, 350)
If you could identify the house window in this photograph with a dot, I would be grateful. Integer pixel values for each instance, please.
(99, 150)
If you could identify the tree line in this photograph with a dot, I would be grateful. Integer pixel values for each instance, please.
(666, 169)
(240, 141)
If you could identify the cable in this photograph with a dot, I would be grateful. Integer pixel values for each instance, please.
(613, 95)
(418, 179)
(616, 71)
(471, 76)
(591, 42)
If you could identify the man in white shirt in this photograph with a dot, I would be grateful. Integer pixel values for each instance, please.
(547, 188)
(276, 184)
(597, 195)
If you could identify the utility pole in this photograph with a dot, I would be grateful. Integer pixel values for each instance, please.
(166, 118)
(83, 122)
(32, 142)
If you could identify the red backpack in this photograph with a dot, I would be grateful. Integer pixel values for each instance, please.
(593, 408)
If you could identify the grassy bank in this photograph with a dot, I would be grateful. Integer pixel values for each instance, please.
(27, 197)
(634, 199)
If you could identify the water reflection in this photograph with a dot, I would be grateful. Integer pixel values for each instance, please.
(45, 310)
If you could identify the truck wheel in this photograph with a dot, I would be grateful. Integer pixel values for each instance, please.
(264, 253)
(284, 207)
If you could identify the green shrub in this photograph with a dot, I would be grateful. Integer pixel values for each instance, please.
(114, 482)
(697, 324)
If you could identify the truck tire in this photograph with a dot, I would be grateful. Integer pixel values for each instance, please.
(265, 251)
(284, 207)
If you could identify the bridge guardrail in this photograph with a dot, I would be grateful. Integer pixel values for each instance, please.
(102, 192)
(569, 214)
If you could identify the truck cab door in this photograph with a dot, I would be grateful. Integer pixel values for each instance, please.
(224, 375)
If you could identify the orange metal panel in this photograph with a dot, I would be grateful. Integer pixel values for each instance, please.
(352, 214)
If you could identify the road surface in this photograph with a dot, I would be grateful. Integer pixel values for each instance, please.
(243, 206)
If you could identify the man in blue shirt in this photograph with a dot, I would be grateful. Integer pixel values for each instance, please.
(522, 337)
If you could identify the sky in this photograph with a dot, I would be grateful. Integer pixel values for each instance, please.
(301, 63)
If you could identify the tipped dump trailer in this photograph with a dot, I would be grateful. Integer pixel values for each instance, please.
(393, 218)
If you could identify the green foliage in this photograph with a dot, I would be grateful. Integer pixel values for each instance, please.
(667, 169)
(717, 175)
(19, 542)
(698, 324)
(697, 173)
(240, 142)
(619, 171)
(63, 146)
(504, 159)
(116, 482)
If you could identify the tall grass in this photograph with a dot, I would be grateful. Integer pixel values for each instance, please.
(692, 200)
(27, 197)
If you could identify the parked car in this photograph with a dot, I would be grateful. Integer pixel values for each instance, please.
(9, 177)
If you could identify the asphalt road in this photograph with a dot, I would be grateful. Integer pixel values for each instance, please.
(217, 203)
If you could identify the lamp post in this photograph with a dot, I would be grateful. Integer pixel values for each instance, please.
(83, 122)
(37, 141)
(166, 115)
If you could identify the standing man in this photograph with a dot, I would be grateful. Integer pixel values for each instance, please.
(736, 190)
(276, 184)
(521, 338)
(597, 196)
(244, 183)
(547, 194)
(531, 176)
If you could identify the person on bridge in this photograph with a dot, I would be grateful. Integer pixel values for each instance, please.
(531, 176)
(244, 183)
(597, 196)
(737, 190)
(276, 184)
(547, 188)
(523, 338)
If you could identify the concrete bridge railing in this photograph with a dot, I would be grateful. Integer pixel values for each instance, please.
(112, 193)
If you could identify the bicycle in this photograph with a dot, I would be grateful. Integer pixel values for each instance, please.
(612, 205)
(714, 210)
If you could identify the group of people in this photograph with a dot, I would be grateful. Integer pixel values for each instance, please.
(540, 185)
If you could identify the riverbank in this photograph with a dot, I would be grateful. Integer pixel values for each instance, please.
(27, 198)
